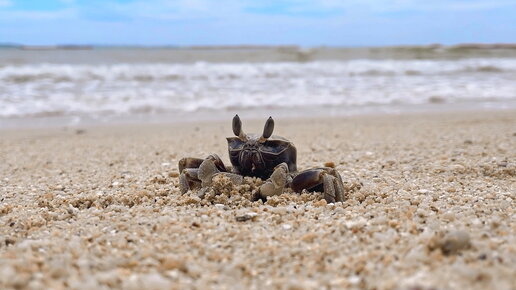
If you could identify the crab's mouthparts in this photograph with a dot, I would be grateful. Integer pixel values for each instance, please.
(251, 159)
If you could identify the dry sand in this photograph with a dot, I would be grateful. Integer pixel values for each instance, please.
(431, 206)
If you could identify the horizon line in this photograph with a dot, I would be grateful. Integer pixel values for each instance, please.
(466, 45)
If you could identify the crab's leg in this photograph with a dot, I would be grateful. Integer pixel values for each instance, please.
(209, 169)
(193, 172)
(193, 178)
(206, 172)
(218, 162)
(189, 162)
(189, 179)
(202, 177)
(275, 184)
(325, 179)
(192, 162)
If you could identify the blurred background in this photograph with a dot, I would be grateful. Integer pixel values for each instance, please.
(78, 61)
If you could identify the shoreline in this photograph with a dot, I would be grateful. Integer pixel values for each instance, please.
(87, 121)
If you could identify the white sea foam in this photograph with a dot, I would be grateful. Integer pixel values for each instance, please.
(87, 89)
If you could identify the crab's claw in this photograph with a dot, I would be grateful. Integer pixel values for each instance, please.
(326, 180)
(275, 184)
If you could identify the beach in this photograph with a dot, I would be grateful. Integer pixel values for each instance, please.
(430, 205)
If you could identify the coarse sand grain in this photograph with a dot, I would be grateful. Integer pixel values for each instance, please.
(431, 205)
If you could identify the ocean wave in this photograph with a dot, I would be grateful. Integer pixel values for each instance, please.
(200, 70)
(69, 89)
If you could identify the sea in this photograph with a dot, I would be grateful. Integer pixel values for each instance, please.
(81, 84)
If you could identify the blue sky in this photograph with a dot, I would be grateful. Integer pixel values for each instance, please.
(232, 22)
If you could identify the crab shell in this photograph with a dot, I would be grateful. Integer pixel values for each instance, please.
(258, 159)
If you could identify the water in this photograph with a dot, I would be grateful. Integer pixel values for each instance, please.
(124, 82)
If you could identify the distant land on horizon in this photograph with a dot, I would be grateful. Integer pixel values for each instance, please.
(245, 46)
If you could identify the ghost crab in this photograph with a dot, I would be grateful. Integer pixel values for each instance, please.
(271, 158)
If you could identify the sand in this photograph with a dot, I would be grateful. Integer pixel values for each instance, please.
(431, 205)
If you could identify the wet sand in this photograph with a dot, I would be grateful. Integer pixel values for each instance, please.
(431, 205)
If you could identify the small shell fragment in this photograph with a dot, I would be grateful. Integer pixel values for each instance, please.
(246, 217)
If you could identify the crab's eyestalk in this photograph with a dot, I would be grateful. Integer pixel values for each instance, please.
(237, 128)
(267, 130)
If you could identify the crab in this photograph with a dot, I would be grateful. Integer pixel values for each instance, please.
(268, 157)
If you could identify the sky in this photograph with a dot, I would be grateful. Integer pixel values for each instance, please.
(255, 22)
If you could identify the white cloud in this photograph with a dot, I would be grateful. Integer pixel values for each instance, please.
(414, 5)
(385, 5)
(5, 3)
(244, 10)
(172, 10)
